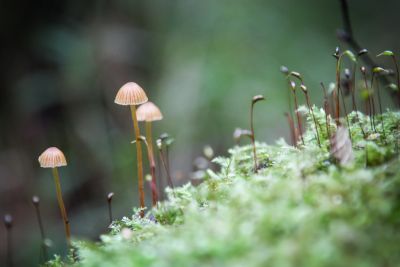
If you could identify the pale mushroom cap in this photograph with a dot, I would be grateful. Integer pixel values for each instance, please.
(51, 158)
(130, 94)
(149, 112)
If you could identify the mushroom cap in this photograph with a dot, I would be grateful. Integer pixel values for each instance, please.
(148, 112)
(130, 94)
(52, 158)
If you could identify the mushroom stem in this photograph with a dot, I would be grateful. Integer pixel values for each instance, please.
(35, 201)
(152, 163)
(139, 160)
(61, 205)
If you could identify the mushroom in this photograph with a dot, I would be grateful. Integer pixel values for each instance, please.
(131, 94)
(148, 113)
(54, 158)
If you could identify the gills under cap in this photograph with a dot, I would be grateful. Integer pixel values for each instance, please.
(52, 158)
(149, 112)
(130, 94)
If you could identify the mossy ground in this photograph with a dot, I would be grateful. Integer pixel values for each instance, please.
(300, 209)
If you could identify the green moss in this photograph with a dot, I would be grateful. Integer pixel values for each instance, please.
(300, 209)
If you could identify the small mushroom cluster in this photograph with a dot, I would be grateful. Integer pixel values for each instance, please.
(132, 95)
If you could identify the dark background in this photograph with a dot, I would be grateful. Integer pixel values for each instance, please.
(62, 62)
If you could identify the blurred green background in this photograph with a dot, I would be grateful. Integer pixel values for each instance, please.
(62, 63)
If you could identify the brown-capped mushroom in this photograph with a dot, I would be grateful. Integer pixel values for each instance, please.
(131, 94)
(149, 112)
(54, 158)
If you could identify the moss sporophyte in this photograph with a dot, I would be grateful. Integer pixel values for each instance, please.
(332, 190)
(303, 196)
(44, 243)
(8, 223)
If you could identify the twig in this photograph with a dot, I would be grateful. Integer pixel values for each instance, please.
(346, 35)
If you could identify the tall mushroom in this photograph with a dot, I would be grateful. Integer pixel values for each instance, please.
(148, 113)
(54, 158)
(131, 94)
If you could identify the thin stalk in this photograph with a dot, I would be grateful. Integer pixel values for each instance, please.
(313, 116)
(160, 179)
(167, 161)
(252, 137)
(368, 101)
(345, 112)
(337, 109)
(373, 102)
(340, 91)
(291, 127)
(149, 139)
(61, 205)
(353, 88)
(139, 160)
(327, 108)
(380, 110)
(35, 201)
(353, 98)
(8, 222)
(397, 76)
(109, 204)
(298, 117)
(328, 128)
(167, 171)
(9, 248)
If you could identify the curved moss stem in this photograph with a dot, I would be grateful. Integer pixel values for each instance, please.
(353, 98)
(253, 142)
(311, 112)
(340, 92)
(397, 77)
(167, 171)
(42, 234)
(296, 106)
